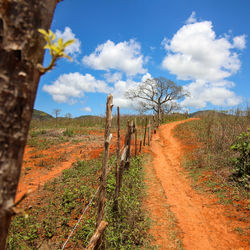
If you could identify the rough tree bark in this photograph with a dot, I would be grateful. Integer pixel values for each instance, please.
(21, 50)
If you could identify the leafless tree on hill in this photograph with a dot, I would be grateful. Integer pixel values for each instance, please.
(158, 95)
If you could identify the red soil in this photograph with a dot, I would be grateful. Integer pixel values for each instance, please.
(200, 219)
(39, 166)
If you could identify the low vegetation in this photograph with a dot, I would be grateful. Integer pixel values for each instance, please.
(63, 200)
(218, 158)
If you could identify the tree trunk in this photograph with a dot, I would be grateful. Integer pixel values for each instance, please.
(21, 50)
(158, 115)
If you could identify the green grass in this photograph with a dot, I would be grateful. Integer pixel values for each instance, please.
(63, 200)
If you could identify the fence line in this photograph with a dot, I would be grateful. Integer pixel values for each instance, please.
(71, 233)
(124, 154)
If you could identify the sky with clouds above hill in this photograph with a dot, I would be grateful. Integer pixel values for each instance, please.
(201, 45)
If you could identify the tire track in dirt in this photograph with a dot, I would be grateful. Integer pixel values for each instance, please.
(201, 221)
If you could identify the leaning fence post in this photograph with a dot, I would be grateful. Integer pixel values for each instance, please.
(96, 236)
(103, 184)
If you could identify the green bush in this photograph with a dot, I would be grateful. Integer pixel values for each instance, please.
(68, 132)
(242, 162)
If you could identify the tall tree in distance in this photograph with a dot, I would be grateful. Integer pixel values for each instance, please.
(159, 95)
(56, 112)
(21, 57)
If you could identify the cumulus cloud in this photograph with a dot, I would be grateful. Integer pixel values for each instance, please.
(192, 18)
(202, 92)
(124, 56)
(239, 42)
(113, 77)
(87, 109)
(70, 86)
(74, 48)
(195, 53)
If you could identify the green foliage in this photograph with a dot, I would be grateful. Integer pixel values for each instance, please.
(68, 132)
(65, 198)
(56, 49)
(242, 162)
(128, 228)
(37, 114)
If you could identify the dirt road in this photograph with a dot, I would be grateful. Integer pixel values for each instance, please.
(200, 220)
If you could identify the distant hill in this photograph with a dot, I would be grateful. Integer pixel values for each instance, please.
(87, 116)
(206, 112)
(37, 114)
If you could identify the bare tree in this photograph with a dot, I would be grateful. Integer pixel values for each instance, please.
(157, 94)
(68, 115)
(56, 112)
(21, 53)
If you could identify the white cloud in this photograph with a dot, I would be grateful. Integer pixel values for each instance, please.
(146, 77)
(74, 48)
(195, 53)
(73, 85)
(87, 109)
(124, 56)
(113, 77)
(203, 92)
(192, 18)
(239, 42)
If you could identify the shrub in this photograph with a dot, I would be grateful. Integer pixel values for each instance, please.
(68, 132)
(242, 162)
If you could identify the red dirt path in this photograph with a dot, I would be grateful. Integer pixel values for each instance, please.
(199, 218)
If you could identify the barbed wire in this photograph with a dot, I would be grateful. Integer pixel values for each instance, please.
(71, 233)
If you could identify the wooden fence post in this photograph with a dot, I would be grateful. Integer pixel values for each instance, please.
(141, 135)
(145, 132)
(135, 131)
(103, 184)
(117, 162)
(121, 168)
(149, 132)
(154, 124)
(128, 143)
(97, 235)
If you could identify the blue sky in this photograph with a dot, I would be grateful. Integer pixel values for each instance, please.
(201, 45)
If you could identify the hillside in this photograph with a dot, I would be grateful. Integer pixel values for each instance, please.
(205, 112)
(37, 114)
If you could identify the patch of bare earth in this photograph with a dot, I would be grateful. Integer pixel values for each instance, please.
(200, 219)
(40, 166)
